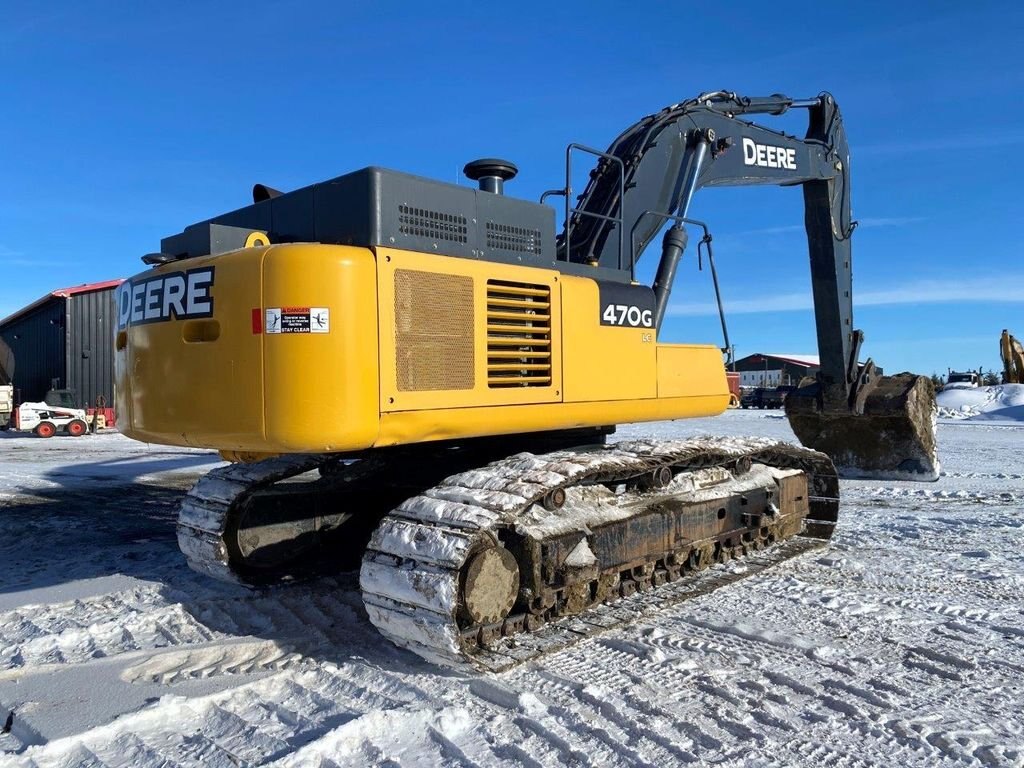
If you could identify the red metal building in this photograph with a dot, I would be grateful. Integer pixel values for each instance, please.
(65, 340)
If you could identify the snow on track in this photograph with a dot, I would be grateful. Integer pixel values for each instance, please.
(901, 643)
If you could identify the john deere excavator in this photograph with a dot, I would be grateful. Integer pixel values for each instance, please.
(426, 373)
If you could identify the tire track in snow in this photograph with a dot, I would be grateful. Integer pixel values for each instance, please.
(877, 598)
(819, 690)
(82, 630)
(234, 658)
(648, 736)
(643, 716)
(607, 741)
(253, 723)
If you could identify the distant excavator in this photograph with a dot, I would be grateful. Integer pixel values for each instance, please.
(1012, 353)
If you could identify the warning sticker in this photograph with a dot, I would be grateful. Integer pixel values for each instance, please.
(298, 320)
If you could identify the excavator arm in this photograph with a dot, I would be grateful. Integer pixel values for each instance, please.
(871, 425)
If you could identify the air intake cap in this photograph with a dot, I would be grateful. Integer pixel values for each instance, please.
(491, 173)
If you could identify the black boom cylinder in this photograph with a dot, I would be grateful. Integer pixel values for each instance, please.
(672, 247)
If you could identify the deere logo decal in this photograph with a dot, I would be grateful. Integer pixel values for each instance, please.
(768, 155)
(174, 296)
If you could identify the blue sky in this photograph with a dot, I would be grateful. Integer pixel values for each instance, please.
(125, 123)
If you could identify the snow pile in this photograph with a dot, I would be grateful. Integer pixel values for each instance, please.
(1004, 402)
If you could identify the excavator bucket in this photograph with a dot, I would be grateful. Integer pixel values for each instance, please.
(893, 439)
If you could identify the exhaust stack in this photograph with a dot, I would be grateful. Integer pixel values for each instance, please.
(491, 174)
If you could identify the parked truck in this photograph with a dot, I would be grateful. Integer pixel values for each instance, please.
(766, 397)
(963, 380)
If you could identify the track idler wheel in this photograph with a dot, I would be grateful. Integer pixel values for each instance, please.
(893, 439)
(490, 585)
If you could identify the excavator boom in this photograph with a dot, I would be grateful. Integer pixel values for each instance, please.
(873, 426)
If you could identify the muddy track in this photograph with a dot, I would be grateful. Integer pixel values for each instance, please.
(412, 573)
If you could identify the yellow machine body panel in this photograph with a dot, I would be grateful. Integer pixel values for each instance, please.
(604, 362)
(321, 388)
(173, 387)
(249, 386)
(310, 348)
(690, 370)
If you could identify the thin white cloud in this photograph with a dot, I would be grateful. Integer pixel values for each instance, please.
(1001, 288)
(940, 341)
(21, 262)
(869, 222)
(942, 144)
(783, 230)
(12, 258)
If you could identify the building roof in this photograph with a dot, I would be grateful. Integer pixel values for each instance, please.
(63, 293)
(798, 359)
(793, 359)
(87, 287)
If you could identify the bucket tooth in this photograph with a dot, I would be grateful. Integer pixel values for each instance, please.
(893, 439)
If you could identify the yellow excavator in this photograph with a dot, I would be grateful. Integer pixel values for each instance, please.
(423, 376)
(1011, 351)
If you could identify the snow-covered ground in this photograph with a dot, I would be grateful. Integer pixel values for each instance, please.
(901, 643)
(1004, 402)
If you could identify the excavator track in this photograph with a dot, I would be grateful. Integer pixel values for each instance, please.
(210, 515)
(497, 565)
(277, 519)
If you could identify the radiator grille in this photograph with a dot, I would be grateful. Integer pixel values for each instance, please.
(433, 331)
(506, 237)
(436, 225)
(518, 334)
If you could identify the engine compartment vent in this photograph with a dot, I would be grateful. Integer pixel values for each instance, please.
(436, 225)
(506, 237)
(518, 334)
(433, 331)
